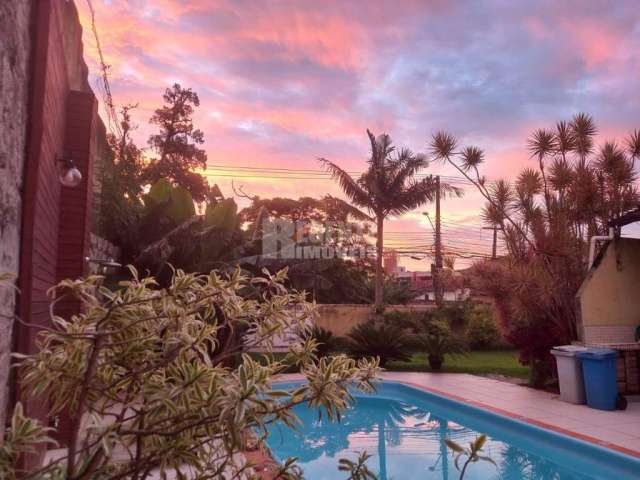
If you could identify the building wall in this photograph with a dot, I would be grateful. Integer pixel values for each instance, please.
(340, 319)
(55, 220)
(15, 47)
(609, 298)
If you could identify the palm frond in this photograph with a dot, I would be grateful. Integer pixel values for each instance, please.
(443, 145)
(541, 143)
(584, 130)
(472, 157)
(529, 182)
(413, 195)
(349, 186)
(633, 145)
(560, 174)
(614, 164)
(405, 167)
(565, 141)
(335, 203)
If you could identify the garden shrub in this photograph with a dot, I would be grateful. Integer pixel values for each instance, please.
(436, 339)
(143, 374)
(379, 339)
(482, 332)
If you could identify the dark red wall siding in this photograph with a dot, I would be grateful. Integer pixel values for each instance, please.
(56, 219)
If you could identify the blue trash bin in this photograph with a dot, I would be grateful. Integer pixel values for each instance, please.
(600, 377)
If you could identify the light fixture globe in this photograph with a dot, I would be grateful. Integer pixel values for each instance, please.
(70, 177)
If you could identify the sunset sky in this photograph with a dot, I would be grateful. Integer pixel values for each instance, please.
(282, 83)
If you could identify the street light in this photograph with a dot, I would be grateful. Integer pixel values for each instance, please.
(69, 175)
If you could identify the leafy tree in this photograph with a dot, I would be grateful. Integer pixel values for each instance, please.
(546, 219)
(388, 187)
(177, 143)
(120, 205)
(144, 374)
(325, 209)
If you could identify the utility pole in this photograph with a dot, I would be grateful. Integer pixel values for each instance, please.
(494, 250)
(437, 287)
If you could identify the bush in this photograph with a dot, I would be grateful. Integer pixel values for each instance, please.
(144, 368)
(482, 331)
(326, 341)
(436, 339)
(379, 339)
(453, 314)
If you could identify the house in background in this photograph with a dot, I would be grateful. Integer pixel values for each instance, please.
(609, 302)
(421, 282)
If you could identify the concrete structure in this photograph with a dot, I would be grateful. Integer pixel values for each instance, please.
(48, 112)
(609, 298)
(15, 47)
(609, 307)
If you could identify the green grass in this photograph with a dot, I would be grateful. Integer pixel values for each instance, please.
(502, 362)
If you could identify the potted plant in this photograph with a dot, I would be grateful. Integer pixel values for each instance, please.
(436, 339)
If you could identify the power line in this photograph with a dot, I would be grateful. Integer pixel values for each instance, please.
(246, 171)
(107, 98)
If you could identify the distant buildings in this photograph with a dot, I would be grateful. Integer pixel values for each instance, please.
(421, 282)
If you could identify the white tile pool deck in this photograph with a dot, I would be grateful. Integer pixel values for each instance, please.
(618, 430)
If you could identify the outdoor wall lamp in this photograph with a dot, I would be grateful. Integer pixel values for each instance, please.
(69, 175)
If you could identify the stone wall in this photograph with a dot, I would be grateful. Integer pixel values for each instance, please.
(14, 84)
(101, 249)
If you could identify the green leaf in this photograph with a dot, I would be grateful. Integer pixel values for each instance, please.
(159, 192)
(223, 215)
(181, 207)
(454, 446)
(479, 443)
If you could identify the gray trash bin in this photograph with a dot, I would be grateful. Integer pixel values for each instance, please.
(570, 375)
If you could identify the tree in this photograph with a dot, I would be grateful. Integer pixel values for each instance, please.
(388, 187)
(122, 184)
(177, 143)
(546, 218)
(145, 375)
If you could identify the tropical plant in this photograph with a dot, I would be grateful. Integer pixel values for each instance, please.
(121, 188)
(388, 187)
(357, 470)
(175, 235)
(481, 329)
(472, 453)
(546, 218)
(436, 339)
(325, 341)
(143, 374)
(378, 339)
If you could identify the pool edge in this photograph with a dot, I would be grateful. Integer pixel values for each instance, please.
(522, 418)
(294, 377)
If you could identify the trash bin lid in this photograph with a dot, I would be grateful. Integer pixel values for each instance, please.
(597, 353)
(567, 350)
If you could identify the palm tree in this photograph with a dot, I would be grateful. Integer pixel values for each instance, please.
(388, 187)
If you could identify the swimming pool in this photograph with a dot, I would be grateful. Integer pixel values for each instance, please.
(404, 430)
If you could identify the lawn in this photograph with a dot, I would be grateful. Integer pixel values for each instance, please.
(502, 362)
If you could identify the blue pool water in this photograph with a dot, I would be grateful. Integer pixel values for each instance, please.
(404, 431)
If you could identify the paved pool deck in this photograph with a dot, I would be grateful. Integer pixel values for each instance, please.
(617, 430)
